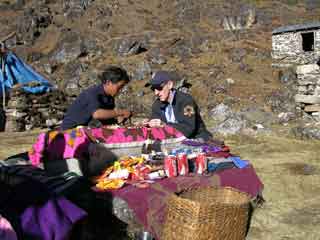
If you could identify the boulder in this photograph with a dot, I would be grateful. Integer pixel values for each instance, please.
(71, 46)
(221, 112)
(232, 125)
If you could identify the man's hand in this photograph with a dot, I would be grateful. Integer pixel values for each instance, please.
(155, 123)
(124, 113)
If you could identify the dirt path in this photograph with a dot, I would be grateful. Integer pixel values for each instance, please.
(289, 169)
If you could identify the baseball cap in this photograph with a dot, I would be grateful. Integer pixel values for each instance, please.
(159, 79)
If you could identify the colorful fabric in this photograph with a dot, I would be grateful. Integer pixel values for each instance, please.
(73, 143)
(52, 221)
(6, 230)
(154, 198)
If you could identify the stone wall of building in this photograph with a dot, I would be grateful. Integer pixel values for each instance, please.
(308, 96)
(287, 47)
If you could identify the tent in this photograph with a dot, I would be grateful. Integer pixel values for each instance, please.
(15, 71)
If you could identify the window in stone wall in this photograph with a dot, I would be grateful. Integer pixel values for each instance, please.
(307, 41)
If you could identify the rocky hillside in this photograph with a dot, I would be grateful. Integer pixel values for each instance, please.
(221, 48)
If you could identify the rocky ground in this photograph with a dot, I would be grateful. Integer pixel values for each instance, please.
(289, 169)
(221, 48)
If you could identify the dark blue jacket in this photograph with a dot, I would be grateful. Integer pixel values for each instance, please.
(187, 115)
(81, 110)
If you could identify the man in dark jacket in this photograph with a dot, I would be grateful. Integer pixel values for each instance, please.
(175, 108)
(96, 104)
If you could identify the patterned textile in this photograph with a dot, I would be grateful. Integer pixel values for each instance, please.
(73, 143)
(6, 230)
(154, 198)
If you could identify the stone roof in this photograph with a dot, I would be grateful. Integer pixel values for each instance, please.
(296, 28)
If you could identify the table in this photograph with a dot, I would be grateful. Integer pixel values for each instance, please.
(147, 206)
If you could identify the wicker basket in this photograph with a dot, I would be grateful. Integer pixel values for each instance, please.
(207, 213)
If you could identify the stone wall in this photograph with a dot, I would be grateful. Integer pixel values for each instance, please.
(26, 111)
(287, 47)
(308, 96)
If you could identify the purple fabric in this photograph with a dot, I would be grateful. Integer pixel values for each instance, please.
(206, 147)
(51, 221)
(154, 198)
(210, 149)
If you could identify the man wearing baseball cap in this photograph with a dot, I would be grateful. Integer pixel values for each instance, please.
(175, 108)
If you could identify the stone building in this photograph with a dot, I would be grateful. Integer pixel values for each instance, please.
(308, 95)
(297, 44)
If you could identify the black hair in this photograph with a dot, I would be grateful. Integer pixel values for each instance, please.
(114, 74)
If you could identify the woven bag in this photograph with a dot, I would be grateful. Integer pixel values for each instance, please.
(207, 213)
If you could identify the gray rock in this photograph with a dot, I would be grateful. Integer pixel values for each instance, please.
(71, 76)
(221, 112)
(156, 57)
(256, 116)
(75, 8)
(143, 71)
(187, 12)
(129, 46)
(311, 99)
(31, 23)
(71, 46)
(285, 117)
(281, 101)
(232, 125)
(181, 48)
(308, 68)
(307, 131)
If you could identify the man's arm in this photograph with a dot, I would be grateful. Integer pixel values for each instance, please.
(103, 114)
(156, 112)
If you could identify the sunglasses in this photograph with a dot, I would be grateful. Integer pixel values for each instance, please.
(158, 87)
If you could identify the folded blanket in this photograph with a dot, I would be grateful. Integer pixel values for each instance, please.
(74, 143)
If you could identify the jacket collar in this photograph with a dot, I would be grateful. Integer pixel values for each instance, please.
(163, 105)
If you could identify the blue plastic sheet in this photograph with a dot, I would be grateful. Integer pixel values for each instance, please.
(18, 72)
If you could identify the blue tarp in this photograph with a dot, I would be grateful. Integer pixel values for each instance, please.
(16, 71)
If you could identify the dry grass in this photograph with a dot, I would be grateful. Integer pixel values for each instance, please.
(290, 171)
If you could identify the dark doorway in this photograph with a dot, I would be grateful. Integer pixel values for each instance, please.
(307, 41)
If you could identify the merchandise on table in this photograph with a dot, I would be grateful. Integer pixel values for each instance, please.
(200, 159)
(157, 175)
(170, 166)
(201, 163)
(183, 166)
